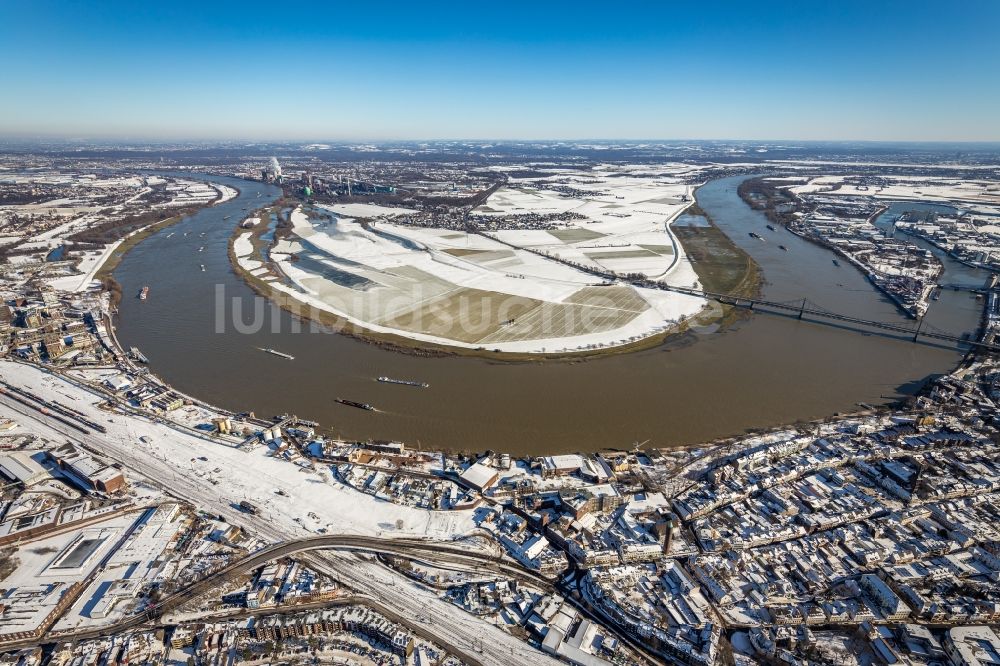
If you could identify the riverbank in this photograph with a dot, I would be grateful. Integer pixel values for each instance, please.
(103, 271)
(700, 386)
(762, 195)
(870, 274)
(722, 265)
(410, 346)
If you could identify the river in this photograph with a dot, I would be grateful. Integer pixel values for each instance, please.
(766, 371)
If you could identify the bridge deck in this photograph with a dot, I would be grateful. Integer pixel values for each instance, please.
(802, 310)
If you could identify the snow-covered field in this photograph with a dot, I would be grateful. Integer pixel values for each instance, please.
(61, 218)
(502, 290)
(191, 192)
(621, 217)
(90, 262)
(226, 193)
(978, 195)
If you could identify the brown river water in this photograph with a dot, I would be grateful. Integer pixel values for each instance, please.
(766, 371)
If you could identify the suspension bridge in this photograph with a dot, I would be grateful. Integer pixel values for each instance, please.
(800, 309)
(806, 308)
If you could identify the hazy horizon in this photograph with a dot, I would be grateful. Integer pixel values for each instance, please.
(895, 72)
(307, 142)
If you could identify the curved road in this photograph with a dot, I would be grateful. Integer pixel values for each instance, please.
(379, 545)
(456, 631)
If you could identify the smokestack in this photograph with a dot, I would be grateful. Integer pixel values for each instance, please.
(669, 536)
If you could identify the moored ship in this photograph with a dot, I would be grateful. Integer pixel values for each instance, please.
(143, 293)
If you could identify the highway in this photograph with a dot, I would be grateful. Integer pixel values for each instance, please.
(461, 633)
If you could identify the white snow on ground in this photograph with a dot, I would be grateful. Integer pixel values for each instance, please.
(367, 210)
(984, 194)
(89, 264)
(236, 474)
(192, 192)
(79, 215)
(242, 245)
(282, 518)
(226, 193)
(450, 288)
(35, 563)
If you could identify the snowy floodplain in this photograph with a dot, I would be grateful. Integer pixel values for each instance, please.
(507, 288)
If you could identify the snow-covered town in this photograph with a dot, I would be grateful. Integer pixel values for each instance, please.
(467, 334)
(847, 221)
(844, 541)
(972, 239)
(853, 536)
(140, 523)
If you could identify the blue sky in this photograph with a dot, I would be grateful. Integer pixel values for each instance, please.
(876, 70)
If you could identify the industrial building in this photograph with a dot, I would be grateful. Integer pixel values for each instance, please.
(27, 612)
(480, 476)
(561, 465)
(19, 466)
(90, 473)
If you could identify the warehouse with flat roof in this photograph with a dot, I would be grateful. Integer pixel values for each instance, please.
(480, 476)
(19, 466)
